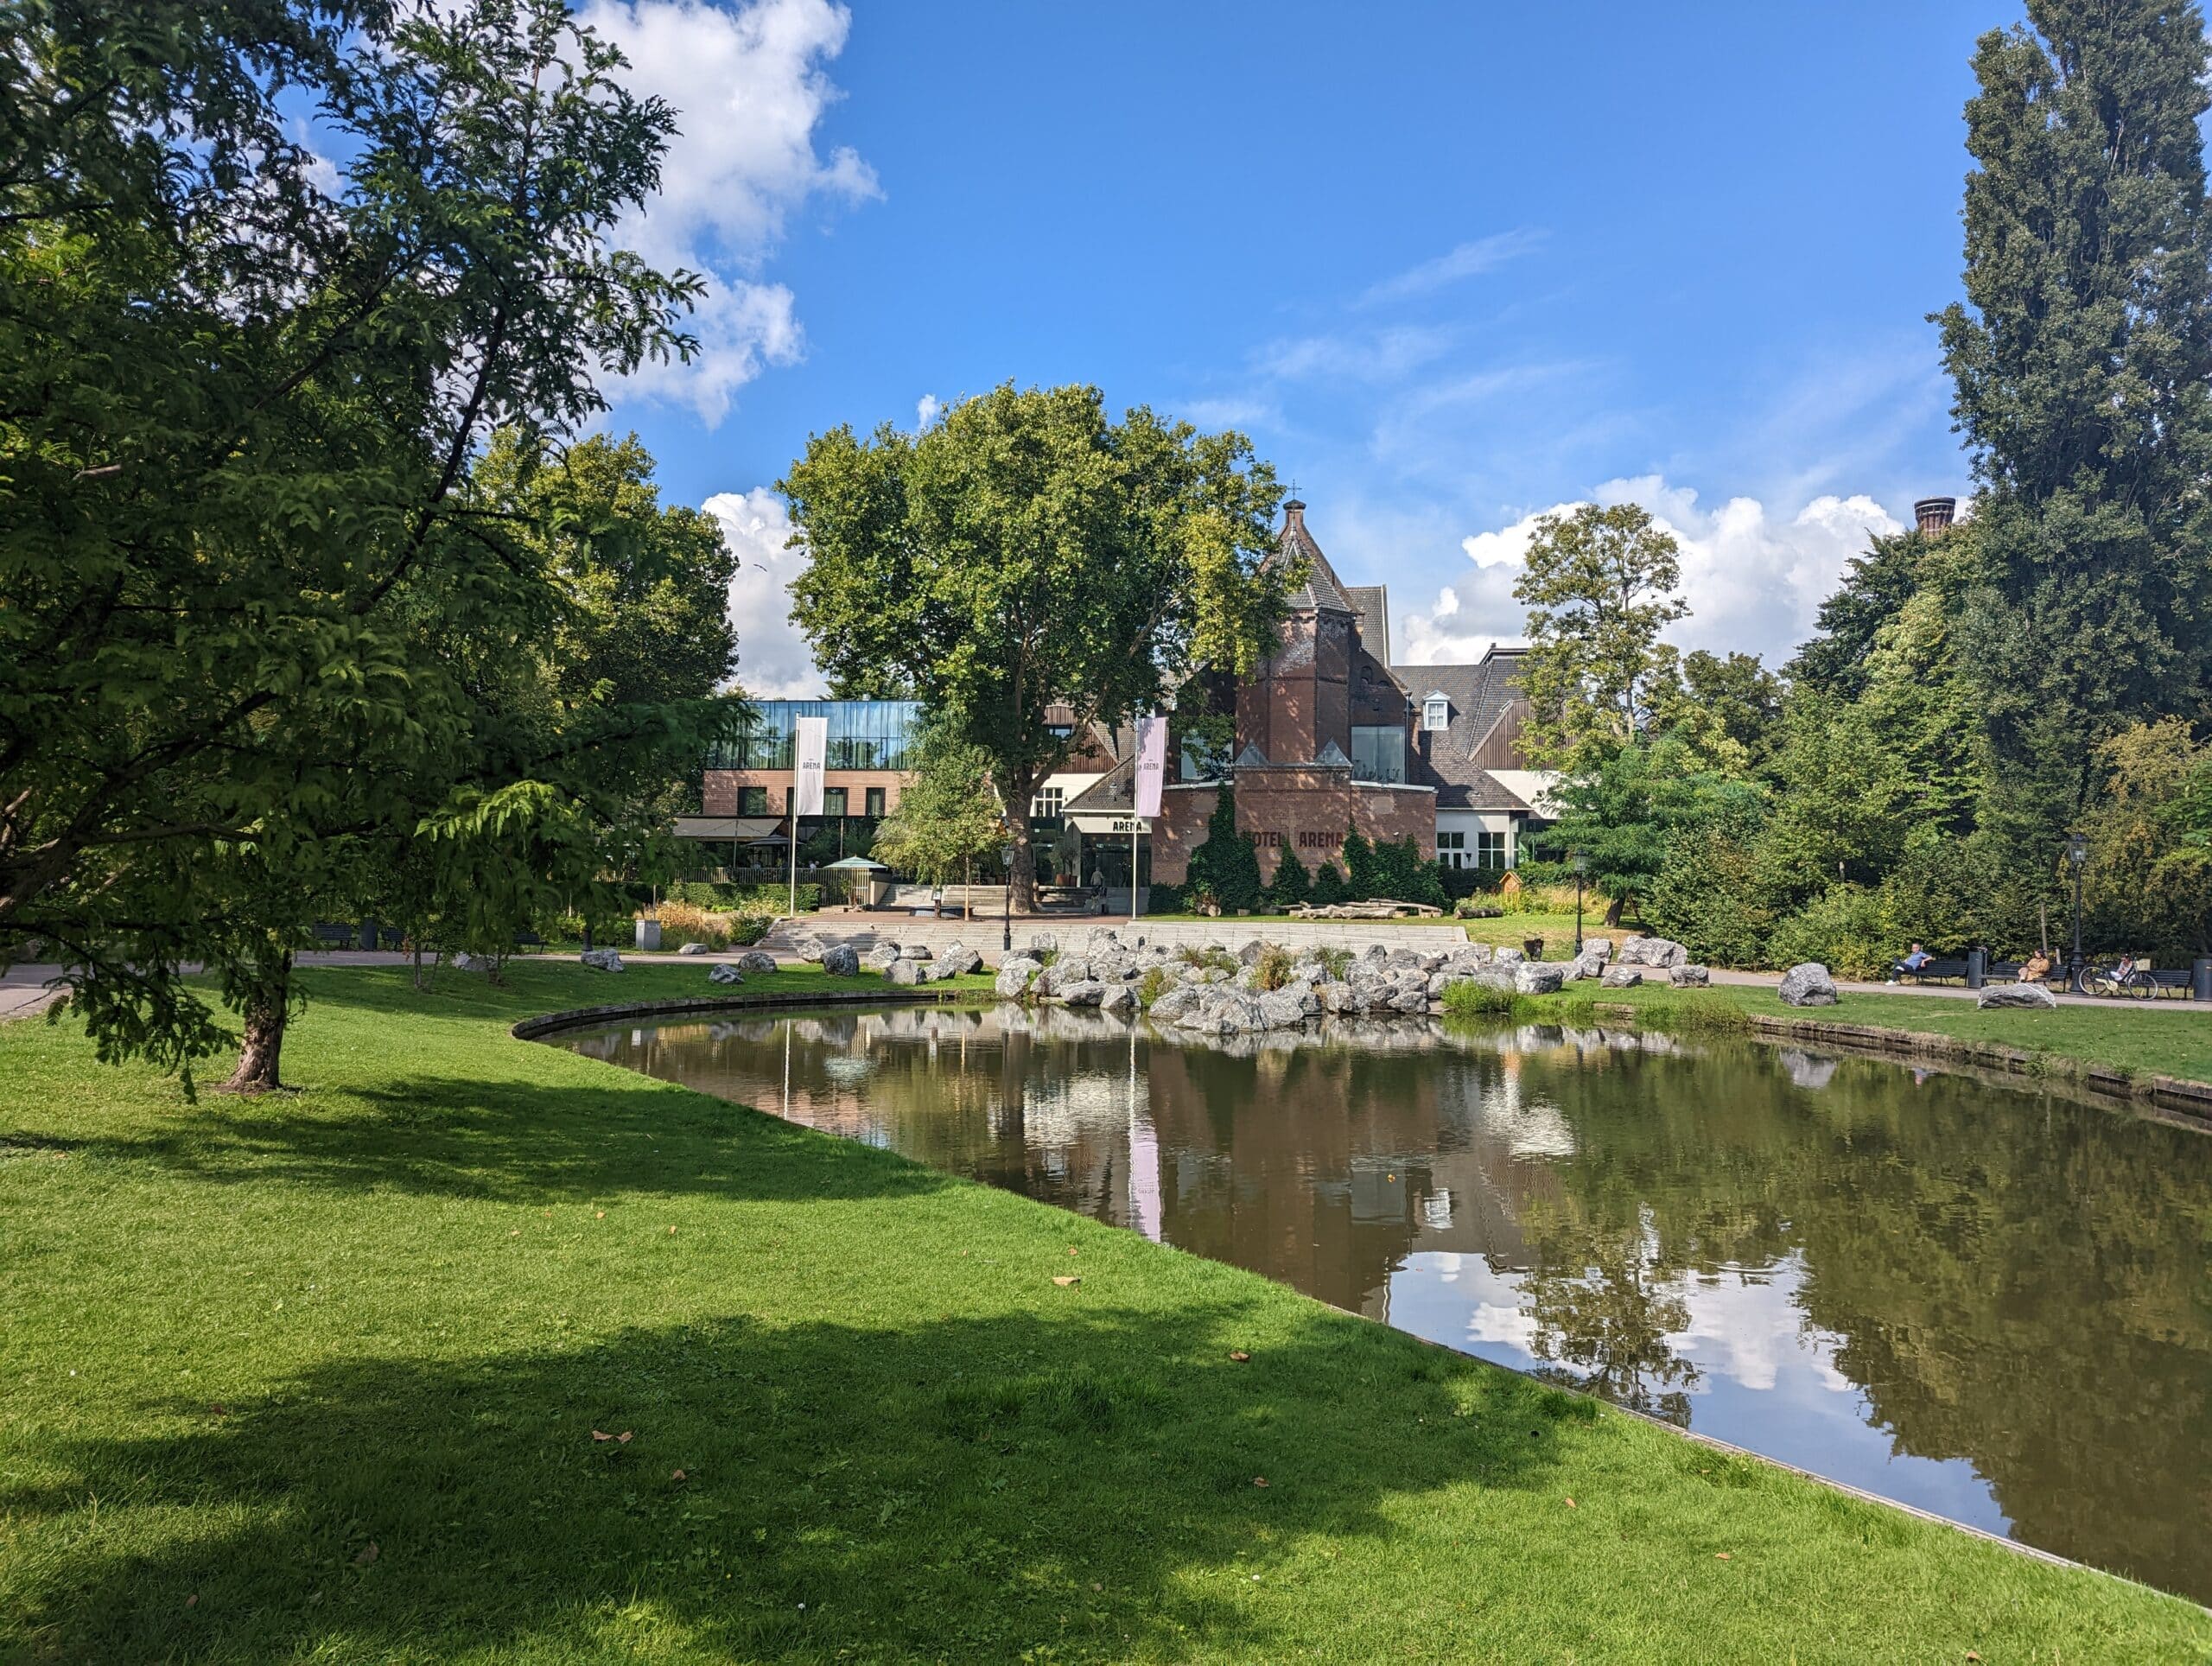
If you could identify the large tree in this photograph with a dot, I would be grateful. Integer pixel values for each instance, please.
(1027, 553)
(2083, 357)
(1599, 584)
(238, 411)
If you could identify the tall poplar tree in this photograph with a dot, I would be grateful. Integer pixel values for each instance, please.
(2081, 359)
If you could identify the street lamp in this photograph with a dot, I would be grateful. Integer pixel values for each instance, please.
(1582, 868)
(2077, 852)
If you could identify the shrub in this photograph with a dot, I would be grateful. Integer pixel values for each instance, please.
(1271, 970)
(1403, 875)
(1167, 898)
(1153, 984)
(1212, 957)
(1360, 875)
(1293, 884)
(1228, 864)
(1468, 909)
(681, 923)
(1710, 896)
(1329, 886)
(746, 929)
(1846, 929)
(1335, 958)
(1479, 1000)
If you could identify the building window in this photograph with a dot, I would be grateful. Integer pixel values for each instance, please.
(1435, 713)
(1452, 850)
(1378, 753)
(875, 801)
(833, 801)
(1046, 806)
(752, 801)
(1489, 849)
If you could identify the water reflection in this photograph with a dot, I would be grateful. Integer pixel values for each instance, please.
(1986, 1302)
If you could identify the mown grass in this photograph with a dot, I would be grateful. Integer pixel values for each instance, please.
(2141, 1042)
(322, 1376)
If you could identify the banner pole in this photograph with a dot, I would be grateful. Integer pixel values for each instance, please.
(1133, 870)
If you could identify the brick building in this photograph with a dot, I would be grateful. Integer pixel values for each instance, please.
(1330, 736)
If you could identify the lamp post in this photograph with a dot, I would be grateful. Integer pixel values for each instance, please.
(2077, 853)
(1582, 868)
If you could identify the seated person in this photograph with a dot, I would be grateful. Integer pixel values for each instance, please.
(2036, 967)
(1912, 963)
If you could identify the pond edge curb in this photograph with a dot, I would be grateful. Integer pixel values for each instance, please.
(545, 1024)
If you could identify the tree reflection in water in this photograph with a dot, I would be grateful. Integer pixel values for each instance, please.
(1984, 1298)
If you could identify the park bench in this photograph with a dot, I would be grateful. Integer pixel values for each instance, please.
(2008, 971)
(332, 934)
(1935, 971)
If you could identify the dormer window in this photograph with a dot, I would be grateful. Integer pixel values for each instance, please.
(1435, 713)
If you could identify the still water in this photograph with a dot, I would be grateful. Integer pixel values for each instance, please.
(1986, 1300)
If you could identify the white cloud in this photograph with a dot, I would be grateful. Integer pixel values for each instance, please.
(1439, 637)
(1468, 260)
(1754, 581)
(774, 662)
(925, 411)
(1384, 355)
(749, 91)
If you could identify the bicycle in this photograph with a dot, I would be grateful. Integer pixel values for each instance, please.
(2125, 979)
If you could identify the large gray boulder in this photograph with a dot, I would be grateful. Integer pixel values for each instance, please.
(807, 947)
(881, 956)
(602, 960)
(905, 972)
(692, 949)
(2015, 994)
(915, 951)
(1119, 999)
(958, 960)
(1043, 943)
(756, 960)
(1689, 978)
(1172, 1005)
(1250, 953)
(724, 973)
(1619, 978)
(1495, 977)
(1281, 1008)
(1509, 957)
(1586, 964)
(1654, 951)
(1088, 993)
(1409, 999)
(1807, 985)
(840, 960)
(1539, 977)
(1016, 974)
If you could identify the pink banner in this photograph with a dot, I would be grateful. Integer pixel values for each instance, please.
(1152, 765)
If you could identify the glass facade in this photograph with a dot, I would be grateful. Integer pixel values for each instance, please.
(1378, 753)
(863, 733)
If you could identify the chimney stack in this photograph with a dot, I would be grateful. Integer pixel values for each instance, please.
(1293, 514)
(1934, 514)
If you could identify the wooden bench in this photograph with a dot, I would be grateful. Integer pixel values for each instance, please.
(332, 935)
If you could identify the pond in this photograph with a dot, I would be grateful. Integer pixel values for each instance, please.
(1983, 1299)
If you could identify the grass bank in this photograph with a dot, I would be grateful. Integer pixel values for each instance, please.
(2139, 1043)
(326, 1376)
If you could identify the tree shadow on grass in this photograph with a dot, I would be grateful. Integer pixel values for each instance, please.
(531, 1140)
(968, 1489)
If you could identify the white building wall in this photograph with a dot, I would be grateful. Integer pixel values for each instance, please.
(1458, 831)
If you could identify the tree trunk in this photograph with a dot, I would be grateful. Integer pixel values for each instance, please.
(1613, 911)
(1021, 876)
(267, 1006)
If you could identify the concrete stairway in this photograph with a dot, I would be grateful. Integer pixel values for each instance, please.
(864, 932)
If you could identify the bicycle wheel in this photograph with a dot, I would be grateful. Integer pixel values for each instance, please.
(2100, 983)
(2141, 986)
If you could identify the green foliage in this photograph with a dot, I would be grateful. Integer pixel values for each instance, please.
(1361, 876)
(258, 630)
(1026, 552)
(1209, 957)
(1728, 710)
(1155, 982)
(2148, 885)
(1271, 970)
(1599, 584)
(1329, 885)
(1292, 883)
(1227, 864)
(948, 816)
(1335, 958)
(1622, 808)
(1875, 589)
(1403, 875)
(1708, 894)
(2082, 359)
(1846, 928)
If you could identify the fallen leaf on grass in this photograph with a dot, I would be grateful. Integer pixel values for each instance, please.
(1240, 1356)
(515, 1233)
(1065, 1279)
(1722, 1556)
(1972, 1655)
(623, 1439)
(218, 1411)
(1259, 1480)
(679, 1476)
(601, 1215)
(1570, 1503)
(368, 1554)
(192, 1600)
(672, 1231)
(1071, 1248)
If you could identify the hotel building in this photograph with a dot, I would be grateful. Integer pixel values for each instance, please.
(1329, 736)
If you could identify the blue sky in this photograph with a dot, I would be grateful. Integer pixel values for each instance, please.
(1448, 266)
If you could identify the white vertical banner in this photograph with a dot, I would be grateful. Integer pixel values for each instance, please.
(1152, 765)
(809, 750)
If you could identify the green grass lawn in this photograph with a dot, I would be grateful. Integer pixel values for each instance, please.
(2156, 1041)
(324, 1376)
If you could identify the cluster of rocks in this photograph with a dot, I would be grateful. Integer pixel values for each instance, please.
(916, 962)
(1637, 957)
(1215, 992)
(735, 972)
